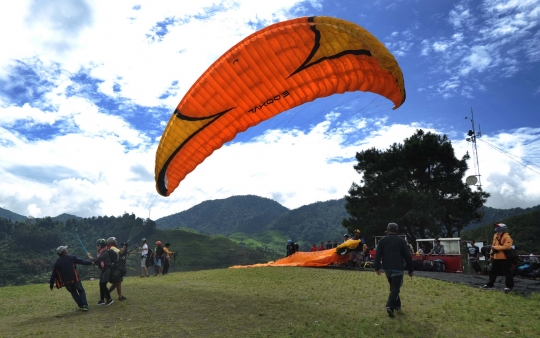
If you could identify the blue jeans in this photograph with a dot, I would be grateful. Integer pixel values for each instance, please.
(395, 279)
(77, 292)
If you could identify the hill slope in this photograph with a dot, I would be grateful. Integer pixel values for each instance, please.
(247, 214)
(524, 230)
(492, 215)
(11, 215)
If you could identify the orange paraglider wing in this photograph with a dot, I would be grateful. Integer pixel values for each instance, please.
(273, 70)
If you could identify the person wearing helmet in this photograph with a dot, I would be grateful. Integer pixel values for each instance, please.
(144, 255)
(158, 259)
(65, 274)
(500, 265)
(103, 262)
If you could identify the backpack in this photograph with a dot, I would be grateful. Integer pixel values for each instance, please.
(116, 274)
(428, 266)
(438, 265)
(149, 259)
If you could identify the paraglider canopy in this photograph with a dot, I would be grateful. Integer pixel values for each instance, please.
(273, 70)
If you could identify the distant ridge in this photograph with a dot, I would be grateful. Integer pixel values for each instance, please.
(11, 215)
(20, 218)
(247, 214)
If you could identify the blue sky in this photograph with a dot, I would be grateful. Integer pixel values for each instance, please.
(86, 88)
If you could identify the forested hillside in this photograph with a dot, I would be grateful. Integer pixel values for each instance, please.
(524, 230)
(492, 215)
(247, 214)
(11, 215)
(313, 223)
(28, 248)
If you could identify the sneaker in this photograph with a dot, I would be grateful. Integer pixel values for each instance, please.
(507, 290)
(109, 302)
(101, 302)
(487, 287)
(390, 312)
(122, 298)
(85, 308)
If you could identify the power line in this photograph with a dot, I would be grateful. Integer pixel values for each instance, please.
(514, 158)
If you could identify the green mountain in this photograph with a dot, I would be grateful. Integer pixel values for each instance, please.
(11, 215)
(28, 248)
(246, 214)
(263, 222)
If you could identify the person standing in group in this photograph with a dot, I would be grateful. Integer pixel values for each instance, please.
(167, 258)
(118, 273)
(65, 274)
(365, 253)
(394, 252)
(314, 248)
(158, 258)
(322, 247)
(292, 247)
(473, 254)
(144, 255)
(328, 245)
(500, 265)
(104, 262)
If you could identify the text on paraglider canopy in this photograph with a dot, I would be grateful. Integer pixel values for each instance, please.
(269, 101)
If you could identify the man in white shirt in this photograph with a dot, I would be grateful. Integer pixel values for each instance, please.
(144, 254)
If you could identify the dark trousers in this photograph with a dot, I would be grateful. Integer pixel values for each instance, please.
(395, 279)
(77, 292)
(165, 265)
(104, 293)
(501, 267)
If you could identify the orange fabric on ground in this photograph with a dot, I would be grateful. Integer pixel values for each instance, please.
(300, 258)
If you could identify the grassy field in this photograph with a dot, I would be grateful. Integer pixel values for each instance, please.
(270, 302)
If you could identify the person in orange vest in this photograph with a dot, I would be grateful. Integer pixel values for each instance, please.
(500, 265)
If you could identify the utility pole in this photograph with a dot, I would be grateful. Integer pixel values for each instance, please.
(476, 178)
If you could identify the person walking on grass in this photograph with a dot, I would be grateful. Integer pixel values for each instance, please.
(500, 265)
(394, 252)
(65, 274)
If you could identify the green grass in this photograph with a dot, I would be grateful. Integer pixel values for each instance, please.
(270, 302)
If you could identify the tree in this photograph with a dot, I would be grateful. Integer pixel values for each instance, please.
(417, 184)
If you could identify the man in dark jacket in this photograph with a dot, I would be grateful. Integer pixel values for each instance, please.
(394, 252)
(65, 274)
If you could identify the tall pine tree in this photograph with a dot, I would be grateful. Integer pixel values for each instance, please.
(418, 184)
